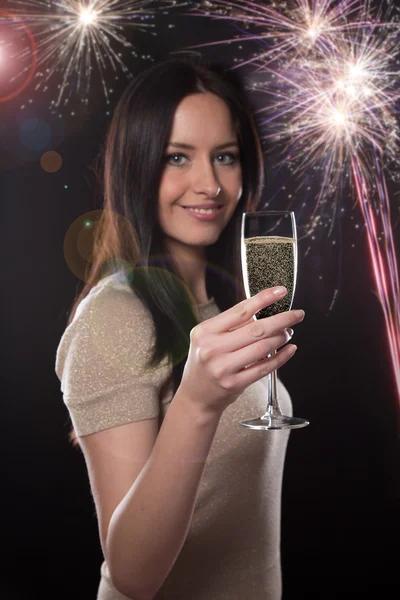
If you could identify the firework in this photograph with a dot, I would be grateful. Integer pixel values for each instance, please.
(329, 72)
(73, 38)
(287, 28)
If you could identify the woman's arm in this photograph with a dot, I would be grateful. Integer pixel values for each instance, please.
(145, 489)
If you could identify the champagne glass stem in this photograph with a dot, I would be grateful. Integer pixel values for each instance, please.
(272, 395)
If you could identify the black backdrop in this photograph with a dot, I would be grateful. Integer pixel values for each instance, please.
(340, 525)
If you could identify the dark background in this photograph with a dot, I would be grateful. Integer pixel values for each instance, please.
(340, 525)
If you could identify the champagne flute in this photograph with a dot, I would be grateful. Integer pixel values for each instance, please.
(269, 258)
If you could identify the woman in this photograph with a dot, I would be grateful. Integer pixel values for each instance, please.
(159, 362)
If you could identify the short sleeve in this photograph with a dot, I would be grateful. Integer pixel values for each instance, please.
(102, 359)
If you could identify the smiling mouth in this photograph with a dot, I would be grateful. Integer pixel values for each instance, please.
(203, 211)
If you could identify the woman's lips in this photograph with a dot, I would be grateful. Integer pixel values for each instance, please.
(203, 216)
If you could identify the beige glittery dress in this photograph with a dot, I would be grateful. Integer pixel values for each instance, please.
(232, 550)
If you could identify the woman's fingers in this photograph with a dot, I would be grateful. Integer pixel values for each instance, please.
(260, 329)
(255, 372)
(241, 313)
(254, 352)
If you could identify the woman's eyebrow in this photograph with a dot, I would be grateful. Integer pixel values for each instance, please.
(189, 147)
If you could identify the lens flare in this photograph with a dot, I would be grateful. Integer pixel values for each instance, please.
(16, 36)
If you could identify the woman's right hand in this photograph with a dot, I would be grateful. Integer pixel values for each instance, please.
(230, 351)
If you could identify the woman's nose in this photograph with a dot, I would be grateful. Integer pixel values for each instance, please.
(205, 180)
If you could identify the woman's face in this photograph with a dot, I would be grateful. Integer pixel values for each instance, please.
(202, 168)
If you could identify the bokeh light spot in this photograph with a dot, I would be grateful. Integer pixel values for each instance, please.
(51, 161)
(34, 133)
(80, 239)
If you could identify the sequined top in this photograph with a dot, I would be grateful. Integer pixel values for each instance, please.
(232, 550)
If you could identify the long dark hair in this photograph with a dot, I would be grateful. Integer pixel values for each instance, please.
(128, 231)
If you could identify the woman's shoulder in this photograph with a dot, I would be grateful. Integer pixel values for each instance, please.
(102, 360)
(110, 316)
(112, 300)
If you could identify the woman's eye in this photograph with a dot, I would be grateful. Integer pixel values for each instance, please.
(232, 158)
(171, 159)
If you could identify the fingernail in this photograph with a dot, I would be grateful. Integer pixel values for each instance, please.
(278, 291)
(299, 314)
(291, 349)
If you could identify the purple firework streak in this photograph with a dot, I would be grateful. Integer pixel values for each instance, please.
(330, 73)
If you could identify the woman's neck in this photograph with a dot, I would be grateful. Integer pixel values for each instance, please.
(191, 264)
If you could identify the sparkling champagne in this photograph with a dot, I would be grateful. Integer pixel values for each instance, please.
(270, 261)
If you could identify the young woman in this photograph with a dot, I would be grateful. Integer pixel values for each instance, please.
(162, 355)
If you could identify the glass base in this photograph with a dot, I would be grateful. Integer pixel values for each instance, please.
(275, 422)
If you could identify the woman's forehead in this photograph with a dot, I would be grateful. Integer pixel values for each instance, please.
(203, 114)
